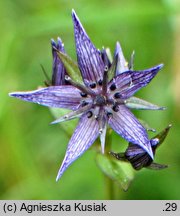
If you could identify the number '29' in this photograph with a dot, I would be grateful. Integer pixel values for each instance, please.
(170, 207)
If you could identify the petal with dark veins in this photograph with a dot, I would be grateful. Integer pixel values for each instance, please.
(67, 97)
(126, 125)
(58, 70)
(89, 58)
(129, 82)
(83, 137)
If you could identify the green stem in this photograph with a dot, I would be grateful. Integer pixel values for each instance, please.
(110, 192)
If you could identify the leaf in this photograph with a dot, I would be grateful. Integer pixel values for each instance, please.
(71, 67)
(116, 170)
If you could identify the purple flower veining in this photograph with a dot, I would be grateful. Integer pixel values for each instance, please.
(58, 70)
(100, 101)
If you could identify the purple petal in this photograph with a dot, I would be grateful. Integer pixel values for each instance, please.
(130, 82)
(122, 64)
(89, 59)
(126, 124)
(137, 157)
(84, 136)
(55, 96)
(59, 72)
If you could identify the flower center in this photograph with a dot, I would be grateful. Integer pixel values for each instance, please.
(100, 100)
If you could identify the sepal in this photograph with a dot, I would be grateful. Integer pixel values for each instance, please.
(71, 67)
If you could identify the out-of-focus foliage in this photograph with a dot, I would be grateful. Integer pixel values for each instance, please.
(31, 149)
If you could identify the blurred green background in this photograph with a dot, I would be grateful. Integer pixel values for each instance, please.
(31, 149)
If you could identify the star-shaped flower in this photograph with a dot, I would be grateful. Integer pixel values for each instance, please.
(103, 99)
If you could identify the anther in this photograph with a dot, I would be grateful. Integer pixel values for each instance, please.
(92, 85)
(105, 80)
(113, 87)
(84, 103)
(115, 108)
(109, 114)
(83, 94)
(89, 114)
(100, 82)
(117, 95)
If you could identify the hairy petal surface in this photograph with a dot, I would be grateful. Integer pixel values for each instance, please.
(131, 81)
(126, 125)
(89, 59)
(83, 137)
(67, 97)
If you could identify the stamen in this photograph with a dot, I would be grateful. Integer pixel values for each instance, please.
(115, 108)
(79, 86)
(100, 82)
(73, 114)
(117, 95)
(113, 87)
(110, 101)
(105, 80)
(84, 103)
(92, 85)
(120, 101)
(109, 114)
(96, 112)
(89, 114)
(83, 94)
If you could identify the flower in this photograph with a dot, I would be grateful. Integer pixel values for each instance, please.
(138, 157)
(103, 99)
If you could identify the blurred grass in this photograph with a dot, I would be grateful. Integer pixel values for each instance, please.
(31, 149)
